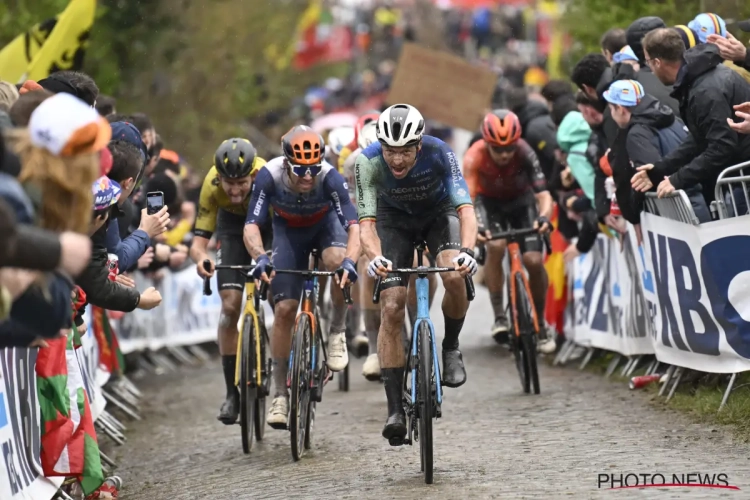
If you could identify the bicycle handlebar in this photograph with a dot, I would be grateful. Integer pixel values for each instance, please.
(515, 234)
(246, 268)
(470, 291)
(309, 273)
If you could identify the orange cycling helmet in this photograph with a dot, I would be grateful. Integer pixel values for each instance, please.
(303, 146)
(501, 128)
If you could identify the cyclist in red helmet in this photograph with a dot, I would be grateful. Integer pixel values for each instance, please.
(509, 190)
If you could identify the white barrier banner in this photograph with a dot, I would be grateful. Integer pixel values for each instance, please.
(696, 283)
(608, 306)
(88, 360)
(21, 475)
(186, 316)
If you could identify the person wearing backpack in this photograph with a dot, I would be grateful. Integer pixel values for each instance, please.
(649, 131)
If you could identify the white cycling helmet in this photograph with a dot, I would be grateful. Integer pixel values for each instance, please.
(367, 135)
(339, 137)
(400, 125)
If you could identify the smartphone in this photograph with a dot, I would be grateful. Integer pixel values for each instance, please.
(154, 202)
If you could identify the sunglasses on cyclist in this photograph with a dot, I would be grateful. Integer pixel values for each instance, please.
(303, 170)
(504, 149)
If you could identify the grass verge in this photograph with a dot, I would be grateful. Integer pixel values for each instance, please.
(698, 396)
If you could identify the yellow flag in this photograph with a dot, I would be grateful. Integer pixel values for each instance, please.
(18, 54)
(66, 44)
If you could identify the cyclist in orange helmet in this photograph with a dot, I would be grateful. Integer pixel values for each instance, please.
(509, 190)
(312, 209)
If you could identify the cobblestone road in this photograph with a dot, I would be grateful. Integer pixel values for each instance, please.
(492, 442)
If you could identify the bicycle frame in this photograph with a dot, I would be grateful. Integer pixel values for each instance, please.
(517, 268)
(423, 314)
(251, 304)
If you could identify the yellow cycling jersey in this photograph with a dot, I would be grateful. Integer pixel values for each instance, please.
(213, 198)
(342, 158)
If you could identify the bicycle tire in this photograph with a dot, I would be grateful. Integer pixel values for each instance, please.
(265, 378)
(247, 393)
(526, 342)
(299, 400)
(425, 396)
(312, 406)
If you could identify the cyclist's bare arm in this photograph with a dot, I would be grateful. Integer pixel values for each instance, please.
(545, 203)
(199, 249)
(367, 204)
(253, 240)
(468, 220)
(370, 240)
(257, 213)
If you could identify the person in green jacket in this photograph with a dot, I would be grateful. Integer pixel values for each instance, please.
(573, 138)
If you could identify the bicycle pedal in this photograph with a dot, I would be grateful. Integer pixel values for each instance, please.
(398, 441)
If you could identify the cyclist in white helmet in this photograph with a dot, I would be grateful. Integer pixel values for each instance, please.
(410, 185)
(338, 138)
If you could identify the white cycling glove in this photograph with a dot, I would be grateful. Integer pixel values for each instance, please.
(468, 261)
(376, 263)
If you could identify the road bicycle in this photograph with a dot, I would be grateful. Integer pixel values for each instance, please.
(423, 390)
(253, 374)
(308, 372)
(526, 324)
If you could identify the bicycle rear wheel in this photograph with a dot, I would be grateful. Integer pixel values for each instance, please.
(265, 378)
(247, 393)
(320, 372)
(300, 382)
(425, 398)
(526, 342)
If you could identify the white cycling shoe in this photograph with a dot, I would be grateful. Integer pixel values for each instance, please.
(338, 356)
(278, 415)
(547, 344)
(371, 368)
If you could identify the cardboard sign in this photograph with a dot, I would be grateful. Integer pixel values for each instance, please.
(443, 87)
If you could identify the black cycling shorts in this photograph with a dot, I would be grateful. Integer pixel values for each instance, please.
(499, 215)
(399, 231)
(231, 249)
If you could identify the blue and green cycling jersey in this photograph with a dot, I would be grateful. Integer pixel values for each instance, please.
(435, 178)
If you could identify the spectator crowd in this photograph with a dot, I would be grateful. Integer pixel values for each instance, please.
(659, 109)
(73, 181)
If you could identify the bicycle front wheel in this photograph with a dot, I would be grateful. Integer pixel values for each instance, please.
(526, 342)
(248, 391)
(425, 398)
(265, 378)
(300, 381)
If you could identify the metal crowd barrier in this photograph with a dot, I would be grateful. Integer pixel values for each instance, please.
(675, 206)
(724, 191)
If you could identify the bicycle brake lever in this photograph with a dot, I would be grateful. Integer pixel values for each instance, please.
(207, 281)
(347, 291)
(263, 292)
(470, 291)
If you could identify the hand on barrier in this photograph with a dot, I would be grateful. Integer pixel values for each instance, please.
(616, 223)
(150, 298)
(162, 252)
(465, 264)
(571, 252)
(665, 188)
(640, 181)
(146, 259)
(379, 266)
(346, 273)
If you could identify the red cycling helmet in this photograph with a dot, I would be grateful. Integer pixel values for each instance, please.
(364, 120)
(501, 128)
